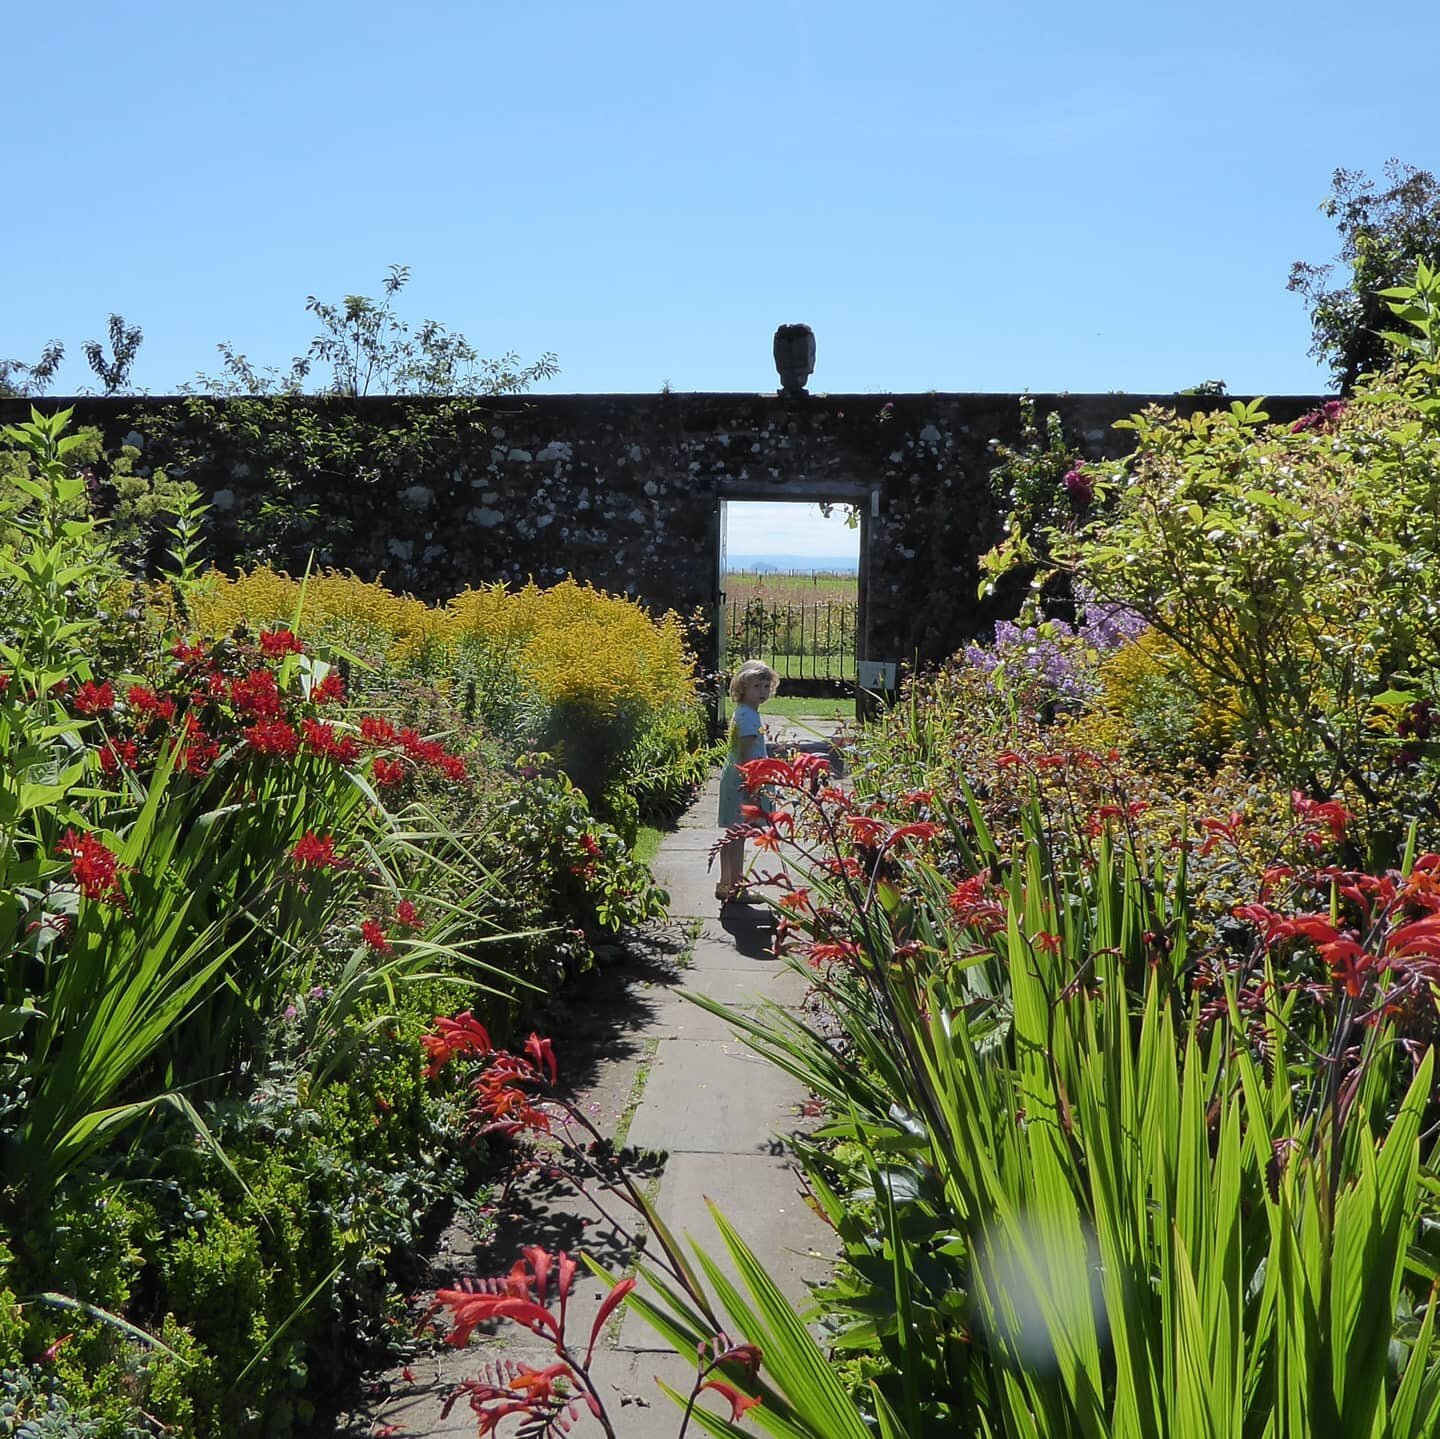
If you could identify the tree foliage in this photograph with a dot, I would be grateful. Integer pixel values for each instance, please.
(1383, 232)
(365, 348)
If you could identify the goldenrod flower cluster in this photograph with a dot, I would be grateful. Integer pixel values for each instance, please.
(328, 608)
(573, 646)
(578, 646)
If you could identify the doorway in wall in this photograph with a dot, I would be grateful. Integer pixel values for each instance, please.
(790, 588)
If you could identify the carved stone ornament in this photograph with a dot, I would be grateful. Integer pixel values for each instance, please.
(794, 357)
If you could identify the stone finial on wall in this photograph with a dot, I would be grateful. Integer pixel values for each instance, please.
(794, 357)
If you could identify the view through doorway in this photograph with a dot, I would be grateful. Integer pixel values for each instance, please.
(790, 593)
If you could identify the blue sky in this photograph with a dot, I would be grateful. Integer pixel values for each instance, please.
(955, 196)
(770, 527)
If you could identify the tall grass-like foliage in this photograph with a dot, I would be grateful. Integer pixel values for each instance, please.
(1075, 1195)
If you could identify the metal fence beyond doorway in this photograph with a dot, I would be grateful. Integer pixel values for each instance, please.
(809, 642)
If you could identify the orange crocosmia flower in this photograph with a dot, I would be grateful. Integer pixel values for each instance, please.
(739, 1402)
(462, 1035)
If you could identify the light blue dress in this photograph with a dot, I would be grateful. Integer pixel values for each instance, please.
(744, 723)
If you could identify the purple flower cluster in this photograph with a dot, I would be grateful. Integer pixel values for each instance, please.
(1106, 627)
(1057, 663)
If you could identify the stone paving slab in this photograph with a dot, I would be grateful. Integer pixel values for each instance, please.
(714, 1097)
(760, 1195)
(742, 988)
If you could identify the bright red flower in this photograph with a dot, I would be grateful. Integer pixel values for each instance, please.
(607, 1307)
(452, 767)
(972, 905)
(406, 914)
(198, 756)
(187, 654)
(257, 695)
(272, 737)
(377, 731)
(374, 935)
(467, 1309)
(94, 699)
(95, 868)
(330, 690)
(315, 851)
(1327, 812)
(1046, 942)
(324, 739)
(542, 1051)
(280, 642)
(117, 752)
(389, 771)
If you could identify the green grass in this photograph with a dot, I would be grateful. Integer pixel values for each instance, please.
(793, 707)
(647, 843)
(790, 587)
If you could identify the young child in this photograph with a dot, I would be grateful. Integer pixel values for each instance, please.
(753, 683)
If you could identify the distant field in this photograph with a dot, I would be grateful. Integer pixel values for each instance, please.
(789, 587)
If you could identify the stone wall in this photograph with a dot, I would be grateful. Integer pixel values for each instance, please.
(623, 491)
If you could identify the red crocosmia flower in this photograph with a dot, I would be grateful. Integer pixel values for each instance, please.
(1217, 830)
(920, 830)
(467, 1309)
(257, 695)
(797, 899)
(94, 699)
(916, 798)
(867, 830)
(142, 699)
(607, 1307)
(315, 851)
(377, 731)
(330, 690)
(542, 1051)
(1327, 812)
(452, 767)
(406, 914)
(374, 935)
(464, 1034)
(319, 737)
(739, 1402)
(831, 952)
(197, 758)
(4, 684)
(971, 905)
(757, 772)
(187, 654)
(280, 642)
(1006, 758)
(1045, 941)
(93, 867)
(272, 737)
(1050, 761)
(389, 772)
(117, 752)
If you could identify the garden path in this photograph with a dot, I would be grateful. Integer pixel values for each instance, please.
(660, 1075)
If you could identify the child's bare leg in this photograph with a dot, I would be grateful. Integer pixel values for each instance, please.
(732, 864)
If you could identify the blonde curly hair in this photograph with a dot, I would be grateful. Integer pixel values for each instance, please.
(752, 670)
